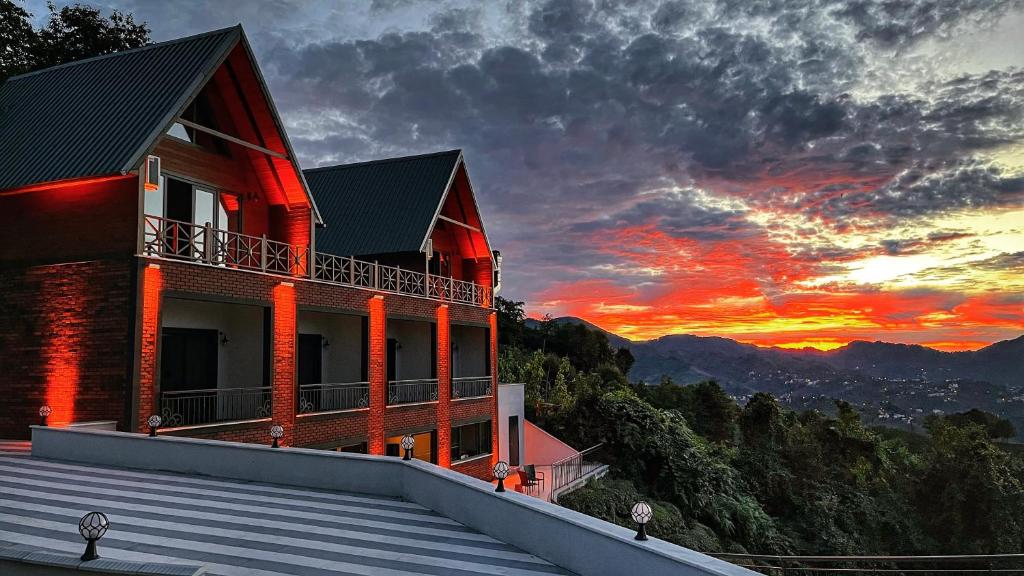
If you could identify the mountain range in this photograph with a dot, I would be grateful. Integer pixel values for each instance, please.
(894, 384)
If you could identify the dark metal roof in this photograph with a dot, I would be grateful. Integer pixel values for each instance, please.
(98, 116)
(380, 207)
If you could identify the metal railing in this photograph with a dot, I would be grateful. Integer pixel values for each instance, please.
(572, 468)
(206, 406)
(315, 398)
(964, 564)
(471, 387)
(409, 391)
(179, 240)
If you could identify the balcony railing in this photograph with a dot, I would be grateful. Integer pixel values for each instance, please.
(315, 398)
(195, 407)
(572, 468)
(174, 239)
(471, 387)
(409, 391)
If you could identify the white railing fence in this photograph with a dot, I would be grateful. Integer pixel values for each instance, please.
(174, 239)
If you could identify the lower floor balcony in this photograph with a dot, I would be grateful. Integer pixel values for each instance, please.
(315, 398)
(471, 387)
(180, 408)
(412, 391)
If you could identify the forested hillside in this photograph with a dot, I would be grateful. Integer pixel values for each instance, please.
(761, 478)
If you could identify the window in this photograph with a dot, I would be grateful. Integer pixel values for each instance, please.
(358, 448)
(471, 440)
(513, 440)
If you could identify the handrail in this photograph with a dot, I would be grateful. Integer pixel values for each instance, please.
(329, 397)
(412, 391)
(572, 468)
(175, 239)
(471, 387)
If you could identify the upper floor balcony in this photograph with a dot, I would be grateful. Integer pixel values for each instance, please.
(204, 244)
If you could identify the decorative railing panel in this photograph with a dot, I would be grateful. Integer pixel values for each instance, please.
(331, 397)
(472, 387)
(572, 468)
(198, 243)
(409, 391)
(194, 407)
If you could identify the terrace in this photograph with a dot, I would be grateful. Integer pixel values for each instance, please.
(204, 244)
(250, 509)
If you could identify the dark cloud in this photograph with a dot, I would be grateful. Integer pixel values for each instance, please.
(592, 114)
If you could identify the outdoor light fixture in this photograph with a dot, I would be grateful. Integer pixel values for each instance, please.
(641, 514)
(44, 411)
(407, 444)
(501, 471)
(276, 432)
(326, 342)
(154, 422)
(92, 527)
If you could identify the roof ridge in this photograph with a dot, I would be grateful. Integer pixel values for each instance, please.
(123, 52)
(385, 160)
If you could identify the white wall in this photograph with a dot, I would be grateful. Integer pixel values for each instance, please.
(344, 332)
(542, 448)
(471, 358)
(413, 360)
(510, 403)
(240, 361)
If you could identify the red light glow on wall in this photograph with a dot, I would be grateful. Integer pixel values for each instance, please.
(377, 374)
(444, 386)
(284, 359)
(63, 297)
(152, 285)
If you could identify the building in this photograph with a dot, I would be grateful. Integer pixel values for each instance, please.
(162, 252)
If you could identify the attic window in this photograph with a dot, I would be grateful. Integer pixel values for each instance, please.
(199, 113)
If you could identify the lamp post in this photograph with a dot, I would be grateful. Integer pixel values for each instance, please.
(641, 514)
(154, 422)
(276, 432)
(501, 471)
(408, 443)
(92, 527)
(44, 411)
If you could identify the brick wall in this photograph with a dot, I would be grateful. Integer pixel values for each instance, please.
(478, 468)
(444, 386)
(65, 341)
(68, 222)
(372, 424)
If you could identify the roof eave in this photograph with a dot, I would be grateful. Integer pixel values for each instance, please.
(179, 106)
(280, 127)
(459, 162)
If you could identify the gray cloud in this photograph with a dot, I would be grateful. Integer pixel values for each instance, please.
(572, 111)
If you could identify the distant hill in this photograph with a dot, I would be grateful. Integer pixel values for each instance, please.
(1001, 363)
(892, 384)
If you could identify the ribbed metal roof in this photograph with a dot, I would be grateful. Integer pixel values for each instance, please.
(96, 117)
(380, 207)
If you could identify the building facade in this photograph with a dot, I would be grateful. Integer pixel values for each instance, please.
(162, 252)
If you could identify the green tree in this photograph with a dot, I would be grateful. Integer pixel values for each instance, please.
(71, 33)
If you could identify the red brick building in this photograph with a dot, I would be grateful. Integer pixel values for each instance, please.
(162, 252)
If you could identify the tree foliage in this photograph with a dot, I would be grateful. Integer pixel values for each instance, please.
(71, 33)
(761, 478)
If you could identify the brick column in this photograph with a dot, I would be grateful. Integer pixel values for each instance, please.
(495, 438)
(284, 342)
(444, 388)
(378, 376)
(152, 284)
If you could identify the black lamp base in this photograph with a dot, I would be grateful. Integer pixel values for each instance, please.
(90, 551)
(641, 533)
(501, 485)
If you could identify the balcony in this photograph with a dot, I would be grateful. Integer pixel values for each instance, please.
(166, 238)
(316, 398)
(412, 391)
(197, 407)
(471, 387)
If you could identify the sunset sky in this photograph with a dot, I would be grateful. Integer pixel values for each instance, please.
(781, 172)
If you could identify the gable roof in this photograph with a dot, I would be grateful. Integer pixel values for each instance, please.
(382, 206)
(97, 117)
(100, 116)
